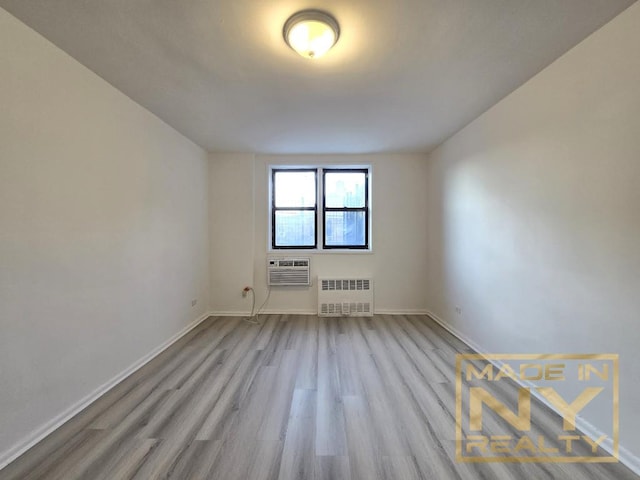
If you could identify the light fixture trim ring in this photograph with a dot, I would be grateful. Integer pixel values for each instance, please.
(310, 15)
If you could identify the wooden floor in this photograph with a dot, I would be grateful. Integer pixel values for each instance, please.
(298, 397)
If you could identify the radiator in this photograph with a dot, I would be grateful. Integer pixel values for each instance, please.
(345, 297)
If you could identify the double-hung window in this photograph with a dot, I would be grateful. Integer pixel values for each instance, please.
(323, 208)
(294, 208)
(345, 208)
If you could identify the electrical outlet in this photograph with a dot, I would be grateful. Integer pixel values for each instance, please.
(193, 302)
(245, 290)
(458, 310)
(244, 293)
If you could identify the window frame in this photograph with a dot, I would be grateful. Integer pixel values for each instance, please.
(320, 209)
(364, 209)
(275, 209)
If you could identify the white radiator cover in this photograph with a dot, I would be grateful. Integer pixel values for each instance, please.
(338, 297)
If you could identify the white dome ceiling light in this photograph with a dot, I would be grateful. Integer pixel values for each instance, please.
(311, 33)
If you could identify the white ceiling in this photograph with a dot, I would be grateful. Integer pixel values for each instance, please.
(404, 76)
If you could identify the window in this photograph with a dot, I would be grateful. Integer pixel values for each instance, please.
(341, 195)
(345, 209)
(294, 212)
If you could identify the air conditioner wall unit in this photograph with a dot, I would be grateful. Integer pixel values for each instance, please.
(288, 271)
(338, 297)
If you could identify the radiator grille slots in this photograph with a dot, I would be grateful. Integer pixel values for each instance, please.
(345, 296)
(352, 284)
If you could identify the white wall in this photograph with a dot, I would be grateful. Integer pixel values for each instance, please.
(103, 240)
(239, 215)
(231, 207)
(534, 215)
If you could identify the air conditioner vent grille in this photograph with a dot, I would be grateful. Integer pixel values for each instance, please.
(288, 271)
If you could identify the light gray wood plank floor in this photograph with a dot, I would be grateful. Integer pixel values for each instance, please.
(297, 397)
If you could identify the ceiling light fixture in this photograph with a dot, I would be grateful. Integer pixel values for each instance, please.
(311, 33)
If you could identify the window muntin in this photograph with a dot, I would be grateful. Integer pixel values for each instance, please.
(299, 195)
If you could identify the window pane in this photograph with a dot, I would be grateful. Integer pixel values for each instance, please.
(295, 229)
(345, 229)
(295, 189)
(344, 189)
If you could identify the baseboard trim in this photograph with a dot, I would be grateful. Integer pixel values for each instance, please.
(314, 312)
(385, 311)
(289, 312)
(456, 333)
(625, 456)
(264, 312)
(40, 433)
(230, 314)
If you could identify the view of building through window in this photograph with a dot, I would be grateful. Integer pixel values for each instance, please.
(295, 208)
(295, 229)
(345, 190)
(343, 202)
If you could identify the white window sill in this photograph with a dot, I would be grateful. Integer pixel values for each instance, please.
(318, 251)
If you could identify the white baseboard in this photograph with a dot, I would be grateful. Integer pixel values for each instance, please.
(624, 455)
(289, 312)
(264, 312)
(40, 433)
(456, 333)
(384, 311)
(230, 314)
(314, 312)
